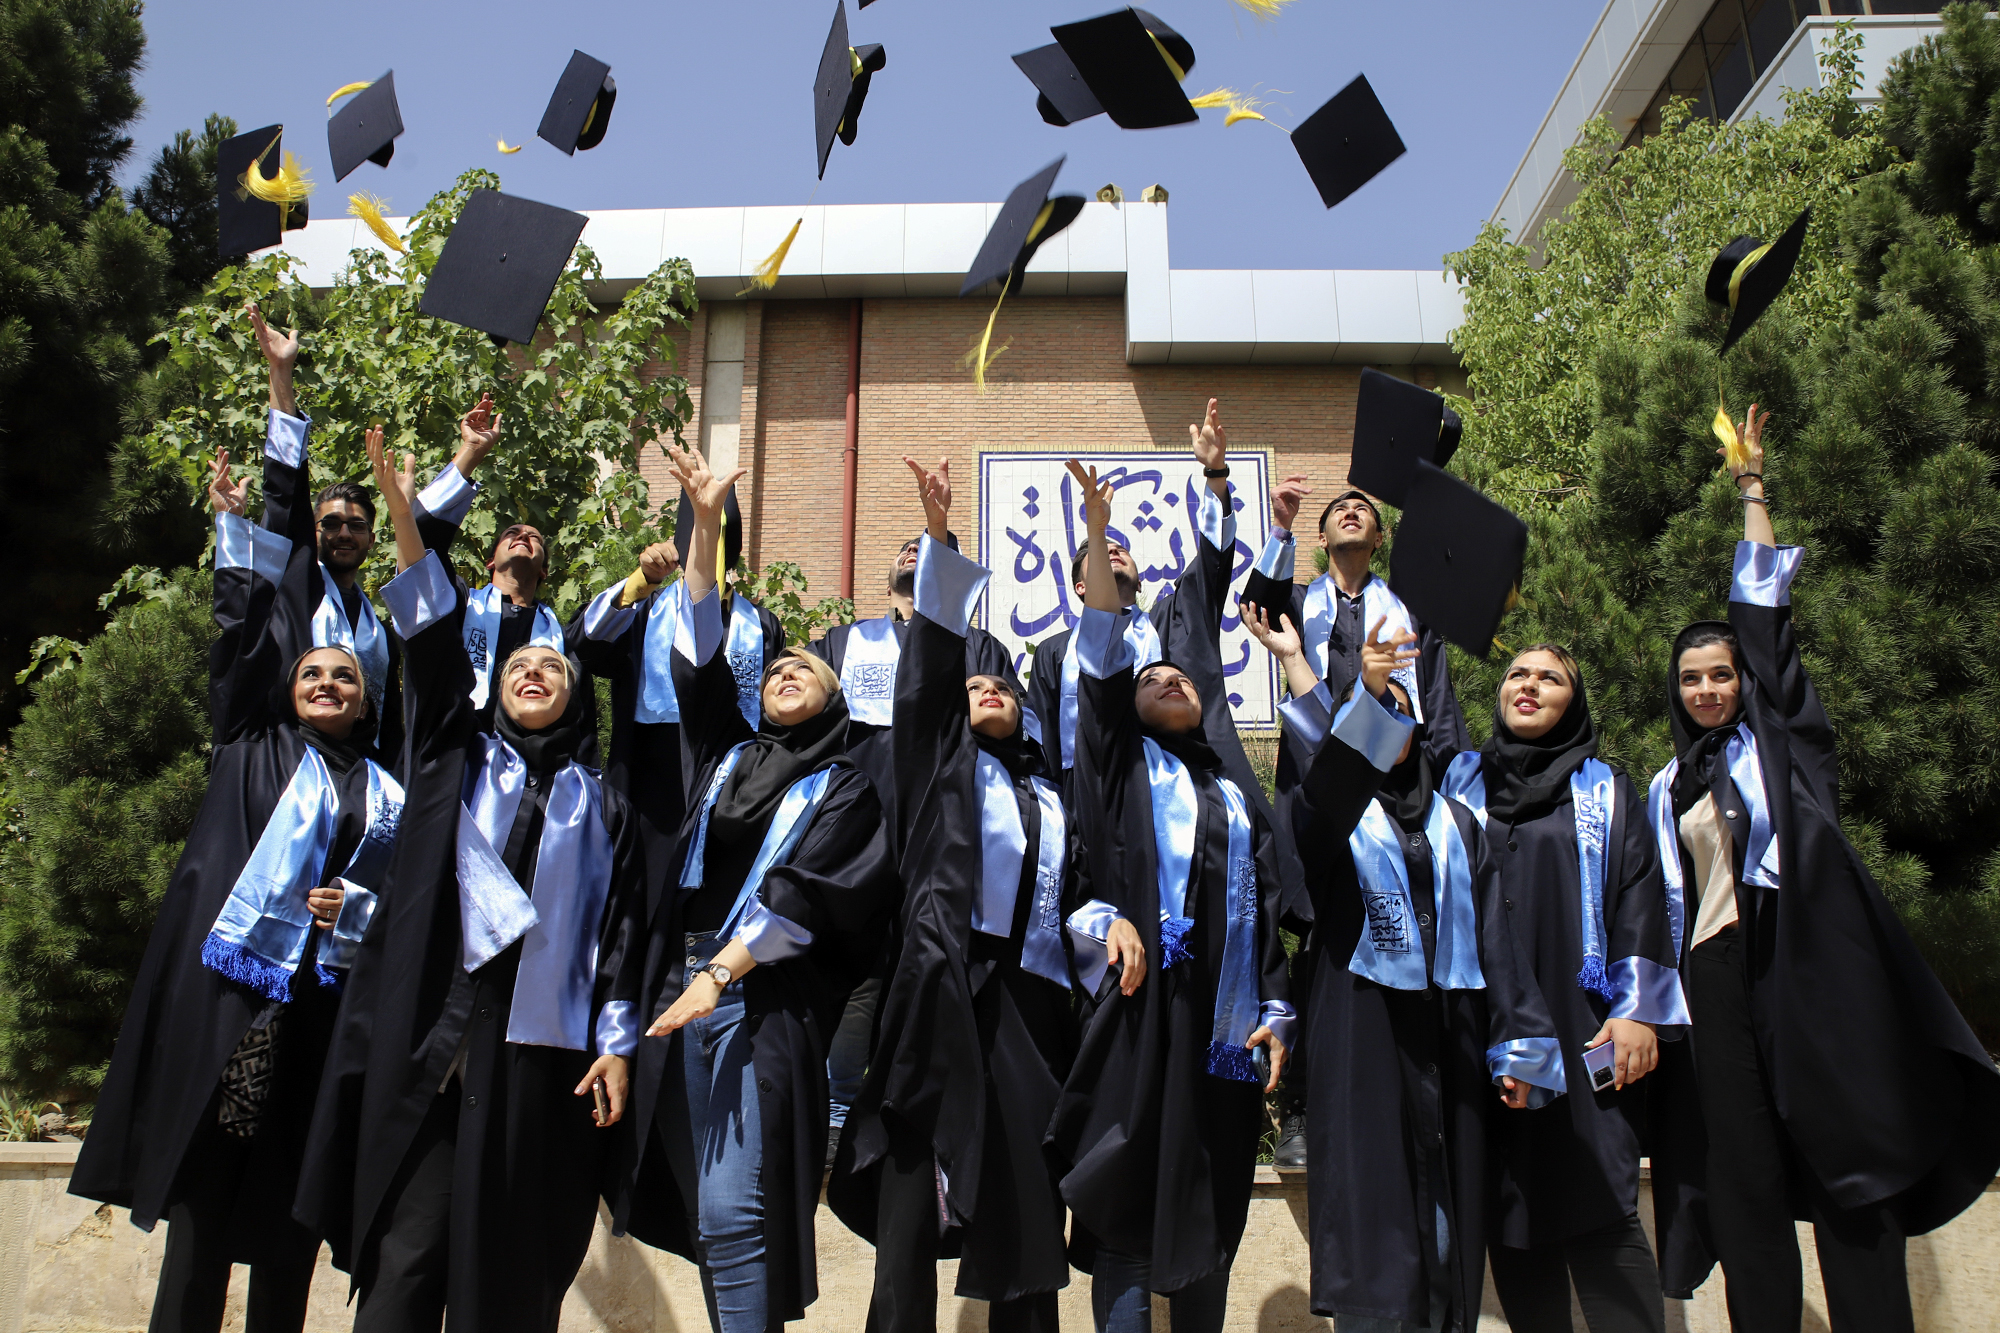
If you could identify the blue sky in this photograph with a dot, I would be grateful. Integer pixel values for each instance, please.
(714, 106)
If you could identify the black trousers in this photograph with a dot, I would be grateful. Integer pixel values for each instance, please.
(1756, 1182)
(203, 1241)
(404, 1267)
(1617, 1282)
(906, 1250)
(1290, 1098)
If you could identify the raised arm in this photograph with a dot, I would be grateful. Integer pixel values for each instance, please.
(442, 506)
(710, 720)
(246, 661)
(288, 507)
(599, 636)
(1270, 584)
(1368, 737)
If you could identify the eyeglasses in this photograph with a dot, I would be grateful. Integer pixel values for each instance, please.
(332, 525)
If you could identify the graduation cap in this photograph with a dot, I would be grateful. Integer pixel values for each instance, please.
(579, 109)
(1347, 141)
(1132, 64)
(500, 264)
(841, 86)
(247, 216)
(1457, 558)
(1449, 435)
(732, 531)
(1396, 424)
(365, 129)
(1062, 96)
(1748, 275)
(1029, 217)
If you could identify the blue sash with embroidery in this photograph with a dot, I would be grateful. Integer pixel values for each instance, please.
(1377, 603)
(1594, 794)
(366, 639)
(1238, 1004)
(1390, 950)
(1146, 650)
(482, 633)
(1760, 853)
(260, 934)
(781, 839)
(868, 671)
(745, 651)
(1003, 845)
(657, 701)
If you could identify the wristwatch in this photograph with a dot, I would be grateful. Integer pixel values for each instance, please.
(723, 976)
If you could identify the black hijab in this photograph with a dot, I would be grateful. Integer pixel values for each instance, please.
(1700, 750)
(1526, 779)
(1405, 792)
(778, 756)
(1191, 747)
(1021, 757)
(571, 736)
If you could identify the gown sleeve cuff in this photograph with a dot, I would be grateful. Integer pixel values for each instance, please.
(1648, 992)
(420, 596)
(1309, 716)
(1089, 927)
(1377, 733)
(948, 585)
(636, 589)
(1283, 1020)
(700, 631)
(1217, 519)
(1100, 645)
(448, 498)
(1764, 574)
(771, 938)
(618, 1026)
(1535, 1061)
(1274, 562)
(285, 438)
(241, 544)
(608, 615)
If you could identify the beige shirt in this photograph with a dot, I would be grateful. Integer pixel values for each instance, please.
(1712, 850)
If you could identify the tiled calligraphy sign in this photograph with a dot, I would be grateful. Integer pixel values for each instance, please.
(1031, 523)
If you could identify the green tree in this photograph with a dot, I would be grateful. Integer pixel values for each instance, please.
(1880, 465)
(178, 194)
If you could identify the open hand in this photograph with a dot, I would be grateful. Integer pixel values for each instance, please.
(1285, 499)
(479, 429)
(1096, 495)
(396, 487)
(659, 561)
(1283, 642)
(705, 491)
(1279, 1054)
(227, 497)
(934, 489)
(1751, 434)
(1381, 657)
(281, 350)
(1211, 441)
(616, 1071)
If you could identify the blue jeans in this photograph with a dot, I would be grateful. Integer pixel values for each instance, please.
(1121, 1298)
(847, 1053)
(721, 1155)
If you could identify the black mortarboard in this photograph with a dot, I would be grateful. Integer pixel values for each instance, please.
(1457, 558)
(1395, 424)
(500, 264)
(365, 129)
(1064, 97)
(841, 86)
(1009, 245)
(1449, 434)
(579, 109)
(732, 529)
(1761, 281)
(1347, 141)
(1123, 58)
(243, 221)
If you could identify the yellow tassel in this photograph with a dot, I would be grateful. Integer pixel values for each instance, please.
(590, 118)
(291, 185)
(853, 63)
(1240, 107)
(977, 358)
(1749, 262)
(505, 149)
(1733, 452)
(765, 276)
(369, 208)
(346, 88)
(1172, 64)
(1263, 9)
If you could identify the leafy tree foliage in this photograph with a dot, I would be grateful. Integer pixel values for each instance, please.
(1881, 366)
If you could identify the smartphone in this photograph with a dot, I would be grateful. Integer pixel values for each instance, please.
(1602, 1064)
(597, 1092)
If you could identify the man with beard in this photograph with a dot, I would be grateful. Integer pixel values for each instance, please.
(343, 526)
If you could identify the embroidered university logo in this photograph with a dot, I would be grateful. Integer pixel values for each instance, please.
(382, 821)
(1048, 893)
(1387, 930)
(748, 668)
(1590, 821)
(475, 648)
(1243, 890)
(871, 680)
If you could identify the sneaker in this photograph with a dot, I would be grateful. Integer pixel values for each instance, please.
(1290, 1155)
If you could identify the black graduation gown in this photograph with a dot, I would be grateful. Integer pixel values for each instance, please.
(530, 1162)
(872, 748)
(839, 884)
(1573, 1166)
(645, 763)
(1444, 721)
(970, 1049)
(1157, 1155)
(184, 1019)
(1886, 1094)
(1368, 1186)
(288, 511)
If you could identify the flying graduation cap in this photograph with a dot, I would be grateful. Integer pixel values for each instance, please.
(260, 193)
(500, 264)
(1396, 426)
(365, 129)
(1029, 217)
(841, 86)
(1347, 142)
(579, 110)
(1457, 558)
(1748, 276)
(1130, 64)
